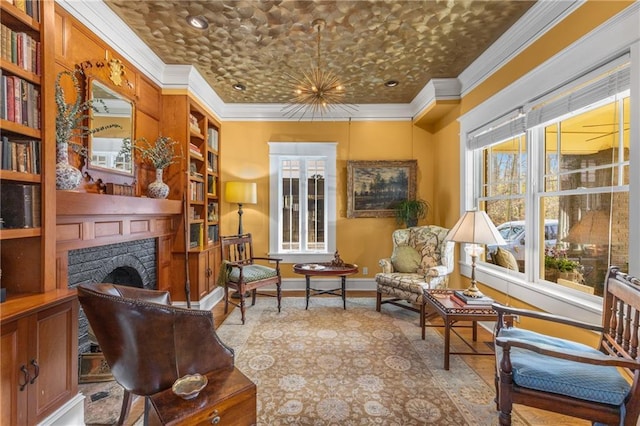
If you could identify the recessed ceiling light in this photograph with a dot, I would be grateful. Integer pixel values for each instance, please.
(239, 87)
(391, 83)
(199, 22)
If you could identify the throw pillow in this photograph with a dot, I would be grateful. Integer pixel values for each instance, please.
(506, 259)
(405, 259)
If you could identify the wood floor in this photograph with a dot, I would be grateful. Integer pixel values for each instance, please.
(483, 365)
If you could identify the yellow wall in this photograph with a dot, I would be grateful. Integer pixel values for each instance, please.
(446, 139)
(245, 156)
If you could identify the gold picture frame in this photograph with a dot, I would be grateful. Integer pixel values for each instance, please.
(374, 187)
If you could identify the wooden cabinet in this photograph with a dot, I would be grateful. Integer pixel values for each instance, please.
(38, 352)
(196, 181)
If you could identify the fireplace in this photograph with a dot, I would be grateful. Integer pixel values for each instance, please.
(131, 263)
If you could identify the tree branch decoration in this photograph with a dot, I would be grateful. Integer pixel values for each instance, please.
(161, 154)
(71, 118)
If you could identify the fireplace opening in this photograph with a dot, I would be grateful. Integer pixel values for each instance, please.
(124, 275)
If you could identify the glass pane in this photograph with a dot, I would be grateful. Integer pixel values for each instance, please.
(315, 205)
(505, 168)
(591, 235)
(508, 216)
(579, 150)
(290, 205)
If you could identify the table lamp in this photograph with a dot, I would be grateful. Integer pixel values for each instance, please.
(241, 193)
(476, 229)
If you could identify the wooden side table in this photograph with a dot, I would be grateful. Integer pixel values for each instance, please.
(451, 313)
(228, 399)
(326, 270)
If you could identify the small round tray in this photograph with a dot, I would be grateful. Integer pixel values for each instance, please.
(313, 267)
(189, 386)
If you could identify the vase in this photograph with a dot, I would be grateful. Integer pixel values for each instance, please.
(158, 189)
(67, 176)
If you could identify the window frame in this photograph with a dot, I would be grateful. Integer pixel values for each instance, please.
(279, 151)
(606, 42)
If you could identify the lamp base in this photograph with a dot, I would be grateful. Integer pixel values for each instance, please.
(473, 291)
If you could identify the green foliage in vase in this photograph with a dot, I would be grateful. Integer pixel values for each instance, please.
(161, 154)
(72, 118)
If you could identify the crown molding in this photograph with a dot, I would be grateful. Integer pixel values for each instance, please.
(100, 19)
(103, 22)
(539, 19)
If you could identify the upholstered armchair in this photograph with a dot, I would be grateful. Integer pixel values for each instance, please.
(421, 259)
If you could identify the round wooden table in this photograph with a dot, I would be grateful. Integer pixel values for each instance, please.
(326, 270)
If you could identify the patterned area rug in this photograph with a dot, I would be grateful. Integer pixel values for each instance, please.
(329, 366)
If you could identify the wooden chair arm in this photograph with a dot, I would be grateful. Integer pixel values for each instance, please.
(508, 310)
(568, 354)
(270, 259)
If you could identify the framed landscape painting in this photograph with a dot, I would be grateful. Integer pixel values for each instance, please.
(375, 187)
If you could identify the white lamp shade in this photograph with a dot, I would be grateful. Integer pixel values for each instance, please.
(475, 227)
(241, 192)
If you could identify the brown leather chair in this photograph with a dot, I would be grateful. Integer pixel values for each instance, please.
(242, 274)
(148, 343)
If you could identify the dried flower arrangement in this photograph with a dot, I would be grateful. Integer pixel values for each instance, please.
(71, 117)
(161, 154)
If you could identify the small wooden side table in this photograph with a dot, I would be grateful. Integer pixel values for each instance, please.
(228, 399)
(326, 270)
(451, 313)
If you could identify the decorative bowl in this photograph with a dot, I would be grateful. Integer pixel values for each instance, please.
(189, 386)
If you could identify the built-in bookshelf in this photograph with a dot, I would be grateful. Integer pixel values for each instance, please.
(22, 90)
(199, 187)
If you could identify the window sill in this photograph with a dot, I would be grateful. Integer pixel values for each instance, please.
(545, 296)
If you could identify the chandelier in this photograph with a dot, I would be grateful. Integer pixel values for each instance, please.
(317, 91)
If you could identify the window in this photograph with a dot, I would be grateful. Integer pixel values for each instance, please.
(586, 189)
(567, 220)
(303, 201)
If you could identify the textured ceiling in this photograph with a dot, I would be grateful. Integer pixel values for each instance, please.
(256, 43)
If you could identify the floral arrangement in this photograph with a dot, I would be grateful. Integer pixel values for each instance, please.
(161, 154)
(71, 117)
(556, 258)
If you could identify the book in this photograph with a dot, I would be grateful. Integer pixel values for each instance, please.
(468, 300)
(20, 206)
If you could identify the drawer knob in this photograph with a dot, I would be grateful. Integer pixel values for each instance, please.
(216, 418)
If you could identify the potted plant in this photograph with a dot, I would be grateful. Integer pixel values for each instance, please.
(557, 265)
(410, 211)
(160, 155)
(71, 119)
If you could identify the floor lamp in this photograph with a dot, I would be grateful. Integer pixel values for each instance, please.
(241, 193)
(476, 229)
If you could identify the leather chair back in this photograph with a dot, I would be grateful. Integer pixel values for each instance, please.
(148, 343)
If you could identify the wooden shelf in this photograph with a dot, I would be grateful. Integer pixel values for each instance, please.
(10, 126)
(19, 177)
(9, 234)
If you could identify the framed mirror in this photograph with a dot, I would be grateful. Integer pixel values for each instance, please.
(108, 149)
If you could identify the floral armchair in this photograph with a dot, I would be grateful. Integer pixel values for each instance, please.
(420, 259)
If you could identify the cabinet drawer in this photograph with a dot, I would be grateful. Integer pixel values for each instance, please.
(228, 399)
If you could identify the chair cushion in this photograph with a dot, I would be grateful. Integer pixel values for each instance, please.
(252, 273)
(405, 259)
(534, 371)
(506, 259)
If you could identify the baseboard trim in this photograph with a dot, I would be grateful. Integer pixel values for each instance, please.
(69, 414)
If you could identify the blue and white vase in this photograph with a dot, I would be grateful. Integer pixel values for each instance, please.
(67, 176)
(158, 189)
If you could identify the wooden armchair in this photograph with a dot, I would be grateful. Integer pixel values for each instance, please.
(568, 377)
(242, 274)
